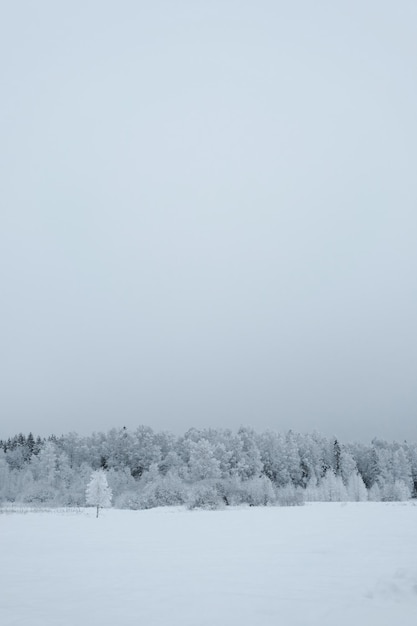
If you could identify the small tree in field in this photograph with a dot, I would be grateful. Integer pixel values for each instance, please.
(98, 492)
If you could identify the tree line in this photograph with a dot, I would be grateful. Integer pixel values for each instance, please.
(205, 468)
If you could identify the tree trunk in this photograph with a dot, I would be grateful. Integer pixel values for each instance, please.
(98, 506)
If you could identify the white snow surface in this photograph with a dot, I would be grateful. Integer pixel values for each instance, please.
(345, 564)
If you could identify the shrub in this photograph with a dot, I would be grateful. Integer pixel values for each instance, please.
(205, 496)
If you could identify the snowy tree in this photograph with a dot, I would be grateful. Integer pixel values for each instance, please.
(312, 492)
(4, 476)
(356, 489)
(120, 481)
(347, 466)
(374, 494)
(47, 464)
(392, 491)
(76, 492)
(145, 451)
(367, 462)
(293, 460)
(332, 488)
(337, 451)
(204, 496)
(401, 468)
(15, 457)
(98, 492)
(258, 491)
(203, 464)
(310, 451)
(290, 495)
(168, 490)
(249, 464)
(272, 450)
(412, 455)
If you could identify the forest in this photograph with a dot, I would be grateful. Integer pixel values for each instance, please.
(209, 468)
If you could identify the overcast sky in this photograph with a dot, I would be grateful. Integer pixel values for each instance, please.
(208, 216)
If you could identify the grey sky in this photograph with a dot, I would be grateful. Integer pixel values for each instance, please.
(208, 216)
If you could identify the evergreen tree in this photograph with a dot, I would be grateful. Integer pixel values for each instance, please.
(337, 452)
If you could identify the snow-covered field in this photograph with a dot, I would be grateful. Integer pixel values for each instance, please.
(324, 564)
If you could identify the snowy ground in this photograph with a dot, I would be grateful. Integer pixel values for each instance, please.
(321, 564)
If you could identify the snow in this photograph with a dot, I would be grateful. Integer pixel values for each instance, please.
(345, 564)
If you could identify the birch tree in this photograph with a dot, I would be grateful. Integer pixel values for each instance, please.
(98, 492)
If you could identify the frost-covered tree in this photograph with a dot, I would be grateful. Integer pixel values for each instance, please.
(145, 451)
(162, 490)
(120, 480)
(401, 468)
(202, 464)
(250, 463)
(258, 491)
(366, 459)
(290, 496)
(47, 464)
(273, 458)
(332, 488)
(98, 492)
(15, 456)
(412, 455)
(80, 478)
(347, 466)
(337, 451)
(204, 495)
(293, 460)
(310, 451)
(4, 477)
(356, 489)
(392, 491)
(374, 493)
